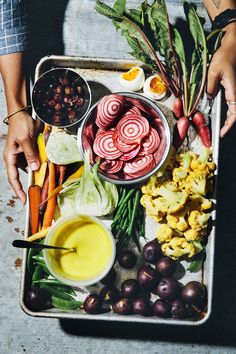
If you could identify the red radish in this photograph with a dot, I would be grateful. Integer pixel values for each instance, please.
(202, 128)
(113, 166)
(133, 110)
(150, 143)
(109, 108)
(182, 126)
(131, 154)
(103, 146)
(139, 166)
(121, 145)
(132, 129)
(178, 107)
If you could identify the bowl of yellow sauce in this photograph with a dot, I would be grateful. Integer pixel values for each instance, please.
(93, 252)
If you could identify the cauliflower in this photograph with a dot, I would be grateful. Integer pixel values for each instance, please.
(179, 174)
(172, 200)
(178, 247)
(203, 163)
(164, 233)
(192, 235)
(152, 186)
(198, 220)
(198, 202)
(152, 207)
(178, 220)
(196, 183)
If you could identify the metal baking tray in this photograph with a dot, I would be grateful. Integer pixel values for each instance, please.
(102, 76)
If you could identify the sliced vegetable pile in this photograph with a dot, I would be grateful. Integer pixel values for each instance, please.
(127, 140)
(178, 201)
(161, 46)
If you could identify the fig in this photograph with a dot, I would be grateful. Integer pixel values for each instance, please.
(194, 293)
(152, 251)
(92, 304)
(109, 294)
(161, 308)
(130, 288)
(168, 289)
(127, 259)
(178, 309)
(37, 299)
(122, 307)
(148, 278)
(141, 306)
(166, 266)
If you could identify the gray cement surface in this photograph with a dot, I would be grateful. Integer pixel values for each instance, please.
(73, 28)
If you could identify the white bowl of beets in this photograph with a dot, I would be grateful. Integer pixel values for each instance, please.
(129, 134)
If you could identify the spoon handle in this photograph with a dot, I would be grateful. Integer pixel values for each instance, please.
(28, 244)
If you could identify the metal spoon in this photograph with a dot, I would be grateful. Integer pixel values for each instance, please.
(28, 244)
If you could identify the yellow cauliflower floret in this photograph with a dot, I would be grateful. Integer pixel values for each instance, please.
(152, 207)
(198, 220)
(177, 220)
(179, 174)
(196, 183)
(152, 186)
(164, 233)
(178, 247)
(198, 202)
(192, 235)
(204, 163)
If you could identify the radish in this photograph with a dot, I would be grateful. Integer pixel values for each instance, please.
(202, 128)
(180, 131)
(178, 108)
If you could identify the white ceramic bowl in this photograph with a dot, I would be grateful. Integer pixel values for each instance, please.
(52, 263)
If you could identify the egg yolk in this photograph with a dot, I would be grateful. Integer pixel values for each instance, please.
(131, 74)
(157, 85)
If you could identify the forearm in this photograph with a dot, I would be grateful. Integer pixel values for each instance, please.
(215, 7)
(12, 69)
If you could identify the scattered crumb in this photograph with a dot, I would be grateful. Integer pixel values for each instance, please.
(18, 263)
(3, 136)
(17, 229)
(15, 197)
(22, 232)
(11, 203)
(9, 219)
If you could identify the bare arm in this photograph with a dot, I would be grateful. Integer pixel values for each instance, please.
(20, 138)
(222, 69)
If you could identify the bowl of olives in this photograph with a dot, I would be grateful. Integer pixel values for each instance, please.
(61, 97)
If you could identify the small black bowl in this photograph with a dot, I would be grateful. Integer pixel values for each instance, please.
(61, 97)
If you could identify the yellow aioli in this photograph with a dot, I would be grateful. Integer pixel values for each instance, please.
(93, 250)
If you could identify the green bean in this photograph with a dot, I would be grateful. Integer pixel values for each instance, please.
(65, 304)
(38, 273)
(134, 212)
(123, 204)
(57, 285)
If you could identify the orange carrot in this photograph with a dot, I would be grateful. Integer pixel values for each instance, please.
(34, 193)
(46, 132)
(53, 193)
(51, 204)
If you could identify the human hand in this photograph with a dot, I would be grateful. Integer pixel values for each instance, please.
(20, 140)
(223, 70)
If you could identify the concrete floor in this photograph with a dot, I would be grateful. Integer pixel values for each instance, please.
(20, 333)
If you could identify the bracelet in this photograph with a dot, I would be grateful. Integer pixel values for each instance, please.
(26, 108)
(225, 18)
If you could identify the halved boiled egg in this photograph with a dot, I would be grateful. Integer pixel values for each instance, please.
(154, 87)
(133, 79)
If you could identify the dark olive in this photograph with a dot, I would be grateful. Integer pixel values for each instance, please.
(71, 115)
(37, 299)
(127, 259)
(64, 81)
(168, 289)
(141, 306)
(51, 103)
(109, 294)
(92, 304)
(57, 107)
(58, 89)
(56, 118)
(67, 90)
(152, 251)
(79, 89)
(110, 278)
(130, 288)
(194, 293)
(178, 309)
(80, 102)
(161, 308)
(148, 278)
(166, 266)
(122, 307)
